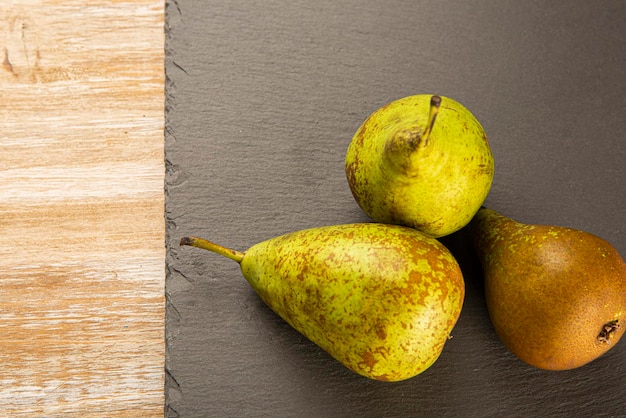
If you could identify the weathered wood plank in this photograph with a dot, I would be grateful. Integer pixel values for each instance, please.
(81, 208)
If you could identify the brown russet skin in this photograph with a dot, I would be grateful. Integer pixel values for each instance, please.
(556, 296)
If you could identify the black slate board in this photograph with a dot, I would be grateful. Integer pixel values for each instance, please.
(262, 100)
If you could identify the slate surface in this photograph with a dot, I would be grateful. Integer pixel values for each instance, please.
(262, 100)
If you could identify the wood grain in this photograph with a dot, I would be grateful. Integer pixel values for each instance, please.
(81, 201)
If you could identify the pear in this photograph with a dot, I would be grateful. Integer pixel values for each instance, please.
(422, 161)
(381, 299)
(556, 296)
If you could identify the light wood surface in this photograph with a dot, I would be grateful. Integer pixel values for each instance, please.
(81, 208)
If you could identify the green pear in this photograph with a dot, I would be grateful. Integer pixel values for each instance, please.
(422, 161)
(381, 299)
(556, 296)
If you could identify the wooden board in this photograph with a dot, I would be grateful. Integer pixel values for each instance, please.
(81, 203)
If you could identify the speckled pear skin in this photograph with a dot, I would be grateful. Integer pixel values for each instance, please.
(434, 184)
(381, 299)
(556, 296)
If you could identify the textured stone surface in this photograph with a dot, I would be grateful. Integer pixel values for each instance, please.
(263, 99)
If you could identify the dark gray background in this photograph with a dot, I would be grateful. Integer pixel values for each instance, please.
(263, 98)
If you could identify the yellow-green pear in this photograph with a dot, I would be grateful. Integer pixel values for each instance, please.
(422, 161)
(381, 299)
(556, 296)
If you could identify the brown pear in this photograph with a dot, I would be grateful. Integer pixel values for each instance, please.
(556, 296)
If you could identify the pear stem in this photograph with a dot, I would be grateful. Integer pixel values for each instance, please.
(210, 246)
(435, 102)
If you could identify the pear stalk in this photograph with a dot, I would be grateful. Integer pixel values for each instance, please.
(211, 246)
(435, 102)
